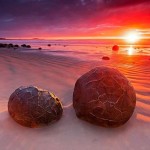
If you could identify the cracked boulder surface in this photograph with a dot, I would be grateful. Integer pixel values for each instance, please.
(104, 97)
(34, 107)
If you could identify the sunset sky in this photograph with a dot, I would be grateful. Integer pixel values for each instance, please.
(73, 18)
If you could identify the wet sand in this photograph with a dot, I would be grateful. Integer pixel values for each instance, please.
(59, 74)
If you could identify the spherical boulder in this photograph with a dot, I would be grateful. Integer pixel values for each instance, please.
(104, 97)
(34, 107)
(115, 48)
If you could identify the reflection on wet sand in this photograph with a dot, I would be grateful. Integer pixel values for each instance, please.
(3, 105)
(144, 118)
(137, 70)
(130, 50)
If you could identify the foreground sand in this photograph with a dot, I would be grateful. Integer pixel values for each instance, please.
(58, 74)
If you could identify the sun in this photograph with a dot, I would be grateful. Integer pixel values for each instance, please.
(132, 37)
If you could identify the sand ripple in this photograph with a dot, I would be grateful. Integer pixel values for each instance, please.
(59, 74)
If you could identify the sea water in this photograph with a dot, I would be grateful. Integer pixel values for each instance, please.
(84, 49)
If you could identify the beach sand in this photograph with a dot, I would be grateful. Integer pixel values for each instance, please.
(58, 74)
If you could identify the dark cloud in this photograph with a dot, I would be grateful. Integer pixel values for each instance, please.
(38, 9)
(44, 12)
(59, 16)
(117, 3)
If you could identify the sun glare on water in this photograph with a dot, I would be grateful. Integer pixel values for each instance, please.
(132, 37)
(130, 50)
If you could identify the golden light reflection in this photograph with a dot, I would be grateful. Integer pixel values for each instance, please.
(143, 118)
(130, 50)
(3, 105)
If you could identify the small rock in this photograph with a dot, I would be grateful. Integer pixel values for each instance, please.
(3, 45)
(105, 58)
(16, 46)
(115, 48)
(28, 46)
(10, 45)
(23, 45)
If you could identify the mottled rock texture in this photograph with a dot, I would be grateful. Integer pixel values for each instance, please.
(34, 107)
(104, 96)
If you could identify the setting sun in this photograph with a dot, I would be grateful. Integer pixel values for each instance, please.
(132, 37)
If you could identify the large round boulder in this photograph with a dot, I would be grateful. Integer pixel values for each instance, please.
(105, 97)
(34, 107)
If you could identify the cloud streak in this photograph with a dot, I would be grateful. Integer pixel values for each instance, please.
(69, 17)
(118, 3)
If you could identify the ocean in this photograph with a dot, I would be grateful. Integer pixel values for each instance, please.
(83, 49)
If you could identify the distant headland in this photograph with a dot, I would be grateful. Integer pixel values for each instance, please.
(2, 38)
(20, 39)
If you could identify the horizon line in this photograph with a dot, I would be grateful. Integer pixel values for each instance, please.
(72, 38)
